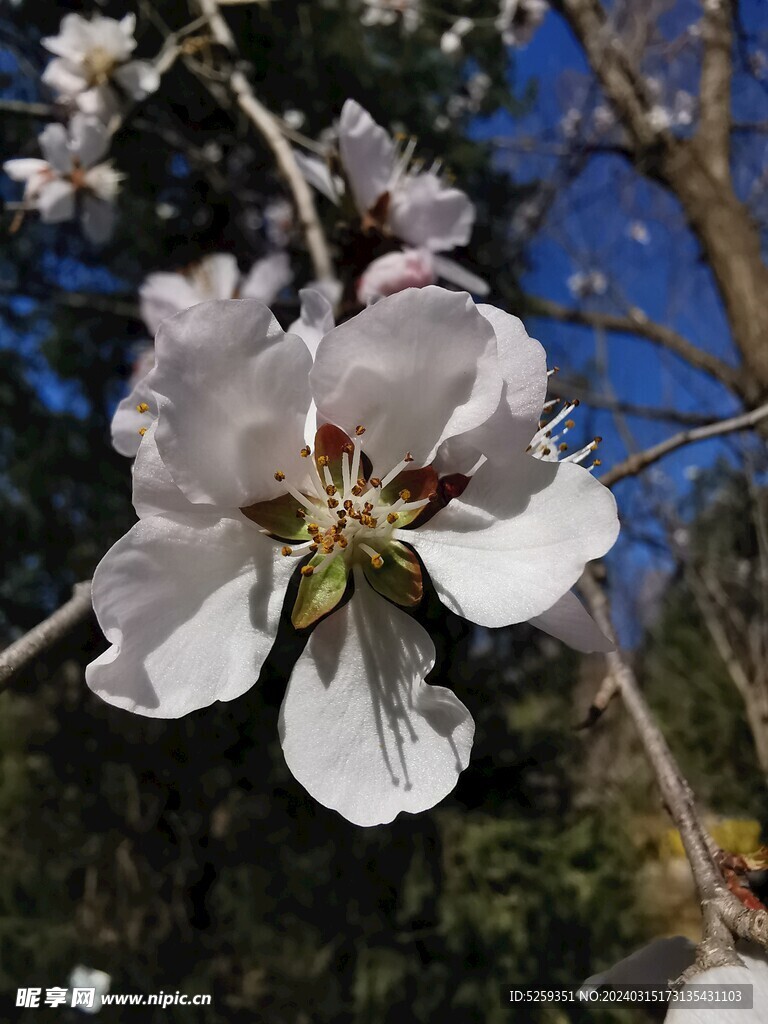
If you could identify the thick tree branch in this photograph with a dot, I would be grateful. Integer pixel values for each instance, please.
(640, 326)
(724, 917)
(714, 130)
(641, 460)
(266, 124)
(46, 634)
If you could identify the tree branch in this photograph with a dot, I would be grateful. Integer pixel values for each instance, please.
(723, 915)
(641, 460)
(640, 326)
(268, 127)
(46, 634)
(714, 131)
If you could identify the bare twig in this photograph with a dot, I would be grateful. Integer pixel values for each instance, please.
(46, 634)
(267, 125)
(641, 460)
(724, 917)
(714, 131)
(641, 326)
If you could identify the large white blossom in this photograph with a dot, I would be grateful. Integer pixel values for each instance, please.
(92, 67)
(70, 180)
(392, 193)
(275, 453)
(162, 295)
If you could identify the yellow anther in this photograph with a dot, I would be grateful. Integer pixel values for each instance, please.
(405, 494)
(563, 447)
(357, 490)
(300, 513)
(392, 517)
(342, 513)
(332, 502)
(142, 407)
(598, 440)
(377, 561)
(142, 431)
(546, 451)
(361, 481)
(323, 460)
(367, 507)
(305, 452)
(597, 462)
(307, 570)
(348, 447)
(279, 475)
(330, 490)
(359, 430)
(570, 424)
(313, 546)
(375, 481)
(347, 504)
(285, 550)
(408, 457)
(342, 542)
(313, 528)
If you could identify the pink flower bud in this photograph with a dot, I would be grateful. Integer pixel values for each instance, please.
(412, 268)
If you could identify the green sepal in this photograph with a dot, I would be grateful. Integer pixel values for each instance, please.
(319, 595)
(419, 482)
(332, 441)
(278, 516)
(399, 578)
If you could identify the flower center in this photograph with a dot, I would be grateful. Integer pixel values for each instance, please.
(99, 65)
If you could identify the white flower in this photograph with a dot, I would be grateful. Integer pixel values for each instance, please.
(231, 500)
(389, 192)
(386, 12)
(164, 294)
(412, 268)
(92, 68)
(279, 222)
(70, 179)
(450, 41)
(89, 977)
(585, 283)
(518, 20)
(638, 232)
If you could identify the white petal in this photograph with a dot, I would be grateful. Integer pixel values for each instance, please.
(234, 396)
(163, 294)
(318, 174)
(190, 607)
(138, 78)
(517, 539)
(54, 145)
(394, 272)
(414, 369)
(368, 155)
(569, 621)
(360, 729)
(453, 272)
(64, 78)
(753, 973)
(215, 277)
(98, 219)
(56, 201)
(89, 139)
(25, 168)
(73, 39)
(424, 212)
(101, 102)
(316, 319)
(128, 421)
(267, 278)
(655, 964)
(154, 490)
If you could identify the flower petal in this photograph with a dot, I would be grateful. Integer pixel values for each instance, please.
(360, 729)
(24, 168)
(138, 78)
(233, 396)
(64, 78)
(129, 420)
(215, 277)
(414, 369)
(754, 973)
(163, 294)
(88, 139)
(422, 211)
(317, 173)
(452, 271)
(191, 607)
(154, 491)
(316, 318)
(368, 155)
(569, 621)
(394, 272)
(56, 201)
(517, 539)
(267, 278)
(54, 145)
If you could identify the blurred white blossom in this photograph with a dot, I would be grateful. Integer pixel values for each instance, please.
(386, 12)
(70, 181)
(585, 283)
(92, 68)
(518, 20)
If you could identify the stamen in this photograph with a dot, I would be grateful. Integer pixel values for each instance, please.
(305, 452)
(279, 475)
(405, 494)
(285, 550)
(307, 570)
(330, 490)
(142, 407)
(375, 481)
(396, 471)
(359, 430)
(392, 517)
(332, 502)
(142, 431)
(323, 461)
(376, 560)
